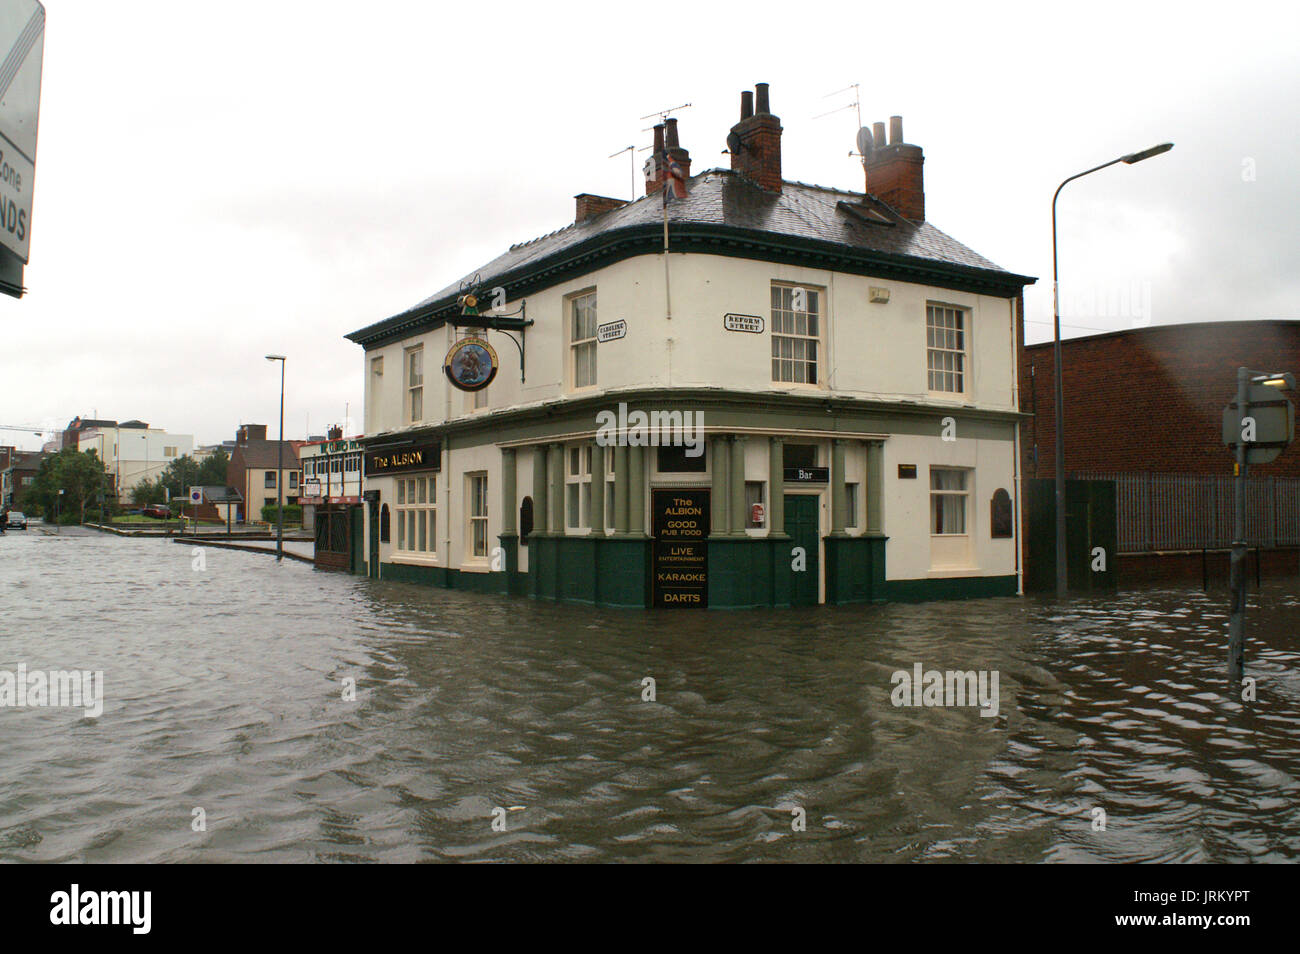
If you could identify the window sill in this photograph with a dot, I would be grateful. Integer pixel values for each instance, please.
(475, 568)
(414, 559)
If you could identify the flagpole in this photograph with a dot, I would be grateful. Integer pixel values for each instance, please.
(668, 295)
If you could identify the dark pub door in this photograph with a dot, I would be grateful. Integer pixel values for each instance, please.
(680, 566)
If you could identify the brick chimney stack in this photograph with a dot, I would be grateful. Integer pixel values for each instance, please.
(893, 171)
(335, 433)
(666, 141)
(755, 141)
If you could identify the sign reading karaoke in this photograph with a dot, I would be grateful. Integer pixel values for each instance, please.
(681, 557)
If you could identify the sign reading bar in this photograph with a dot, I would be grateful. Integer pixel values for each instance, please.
(397, 459)
(681, 556)
(807, 475)
(751, 323)
(611, 331)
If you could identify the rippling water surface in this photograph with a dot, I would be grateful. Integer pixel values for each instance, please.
(224, 692)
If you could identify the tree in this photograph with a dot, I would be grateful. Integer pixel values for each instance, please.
(212, 472)
(147, 492)
(79, 474)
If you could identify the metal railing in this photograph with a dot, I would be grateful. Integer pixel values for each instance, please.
(1193, 512)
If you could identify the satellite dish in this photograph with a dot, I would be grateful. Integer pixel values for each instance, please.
(866, 142)
(733, 142)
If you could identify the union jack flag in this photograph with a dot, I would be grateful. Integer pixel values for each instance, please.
(676, 177)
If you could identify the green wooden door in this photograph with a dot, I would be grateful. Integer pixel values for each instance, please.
(801, 525)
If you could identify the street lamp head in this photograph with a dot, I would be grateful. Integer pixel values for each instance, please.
(1284, 381)
(275, 357)
(1133, 157)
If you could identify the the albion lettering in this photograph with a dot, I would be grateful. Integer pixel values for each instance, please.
(681, 566)
(389, 461)
(420, 457)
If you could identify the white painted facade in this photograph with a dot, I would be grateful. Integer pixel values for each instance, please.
(869, 351)
(134, 454)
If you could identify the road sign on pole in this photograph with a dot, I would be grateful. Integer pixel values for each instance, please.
(22, 44)
(1258, 426)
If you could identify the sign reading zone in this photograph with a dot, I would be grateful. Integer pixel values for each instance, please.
(22, 42)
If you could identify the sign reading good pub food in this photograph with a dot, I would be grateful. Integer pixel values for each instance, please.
(681, 557)
(393, 460)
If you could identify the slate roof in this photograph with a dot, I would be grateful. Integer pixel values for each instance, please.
(846, 222)
(265, 454)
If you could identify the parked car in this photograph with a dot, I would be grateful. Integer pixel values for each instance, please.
(17, 520)
(161, 511)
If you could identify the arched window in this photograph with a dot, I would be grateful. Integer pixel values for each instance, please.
(1000, 514)
(525, 520)
(383, 524)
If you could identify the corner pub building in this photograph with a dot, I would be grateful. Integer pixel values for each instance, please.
(848, 370)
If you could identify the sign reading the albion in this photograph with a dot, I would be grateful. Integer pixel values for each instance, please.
(681, 556)
(413, 457)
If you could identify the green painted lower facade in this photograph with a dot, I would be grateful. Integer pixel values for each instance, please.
(744, 573)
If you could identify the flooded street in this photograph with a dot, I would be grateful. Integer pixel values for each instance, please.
(224, 691)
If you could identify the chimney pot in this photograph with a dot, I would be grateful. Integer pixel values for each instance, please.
(894, 174)
(746, 105)
(670, 133)
(761, 105)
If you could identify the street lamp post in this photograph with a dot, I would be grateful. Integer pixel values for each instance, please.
(1061, 580)
(279, 473)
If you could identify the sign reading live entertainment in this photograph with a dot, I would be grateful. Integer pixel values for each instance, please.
(681, 556)
(393, 460)
(22, 44)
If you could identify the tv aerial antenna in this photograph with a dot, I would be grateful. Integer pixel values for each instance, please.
(631, 151)
(864, 141)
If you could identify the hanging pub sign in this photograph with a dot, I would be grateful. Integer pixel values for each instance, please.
(410, 457)
(471, 364)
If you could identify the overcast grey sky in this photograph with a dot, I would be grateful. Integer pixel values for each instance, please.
(216, 181)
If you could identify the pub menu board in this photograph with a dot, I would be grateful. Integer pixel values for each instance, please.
(681, 556)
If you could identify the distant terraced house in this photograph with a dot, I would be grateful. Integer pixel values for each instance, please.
(837, 378)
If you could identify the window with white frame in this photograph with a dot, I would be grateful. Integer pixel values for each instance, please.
(945, 342)
(415, 383)
(796, 333)
(476, 495)
(582, 339)
(948, 498)
(753, 495)
(577, 479)
(417, 514)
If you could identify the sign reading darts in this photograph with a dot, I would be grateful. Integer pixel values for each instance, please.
(22, 42)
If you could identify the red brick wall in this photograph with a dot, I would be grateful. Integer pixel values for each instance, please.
(588, 205)
(1150, 399)
(760, 154)
(894, 175)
